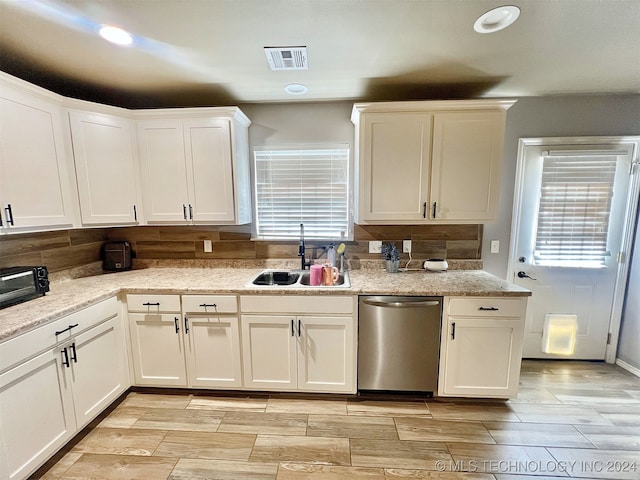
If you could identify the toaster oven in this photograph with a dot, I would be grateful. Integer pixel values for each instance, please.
(19, 284)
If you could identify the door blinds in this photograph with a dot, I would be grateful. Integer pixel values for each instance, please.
(308, 186)
(574, 210)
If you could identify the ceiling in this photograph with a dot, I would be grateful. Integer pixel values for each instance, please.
(210, 52)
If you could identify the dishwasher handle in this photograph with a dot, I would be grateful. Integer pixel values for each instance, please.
(402, 304)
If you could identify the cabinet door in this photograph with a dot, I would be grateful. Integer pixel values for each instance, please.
(104, 152)
(157, 349)
(326, 354)
(394, 166)
(467, 156)
(98, 369)
(269, 352)
(482, 357)
(163, 170)
(34, 168)
(209, 169)
(36, 413)
(213, 351)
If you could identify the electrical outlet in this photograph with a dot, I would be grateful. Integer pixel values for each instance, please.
(375, 246)
(406, 246)
(495, 246)
(208, 246)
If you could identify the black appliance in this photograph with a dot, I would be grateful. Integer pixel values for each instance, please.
(116, 256)
(19, 284)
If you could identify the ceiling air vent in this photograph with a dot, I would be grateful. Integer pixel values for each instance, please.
(287, 58)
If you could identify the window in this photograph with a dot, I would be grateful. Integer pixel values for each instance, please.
(309, 186)
(574, 209)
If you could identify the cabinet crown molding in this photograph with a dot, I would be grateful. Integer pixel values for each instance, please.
(426, 106)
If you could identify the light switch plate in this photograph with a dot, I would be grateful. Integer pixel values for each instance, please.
(375, 246)
(406, 246)
(495, 246)
(208, 246)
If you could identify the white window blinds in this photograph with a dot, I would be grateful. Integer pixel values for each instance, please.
(574, 210)
(309, 186)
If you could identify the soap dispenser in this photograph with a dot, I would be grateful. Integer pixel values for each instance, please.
(331, 255)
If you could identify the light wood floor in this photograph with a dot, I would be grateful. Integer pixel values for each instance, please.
(571, 420)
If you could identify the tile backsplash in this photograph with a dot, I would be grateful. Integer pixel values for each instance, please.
(63, 249)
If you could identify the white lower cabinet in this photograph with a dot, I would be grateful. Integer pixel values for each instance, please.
(295, 352)
(196, 345)
(212, 341)
(481, 347)
(62, 385)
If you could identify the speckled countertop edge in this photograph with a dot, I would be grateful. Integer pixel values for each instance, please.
(70, 295)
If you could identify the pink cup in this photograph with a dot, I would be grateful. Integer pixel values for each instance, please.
(315, 277)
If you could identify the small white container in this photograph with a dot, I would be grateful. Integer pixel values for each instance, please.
(436, 265)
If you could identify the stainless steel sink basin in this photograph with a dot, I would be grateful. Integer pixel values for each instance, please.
(276, 277)
(294, 279)
(305, 280)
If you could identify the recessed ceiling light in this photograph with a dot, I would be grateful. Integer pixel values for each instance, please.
(115, 35)
(296, 89)
(497, 19)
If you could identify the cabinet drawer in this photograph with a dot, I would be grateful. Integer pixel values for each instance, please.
(153, 303)
(209, 303)
(28, 344)
(297, 304)
(487, 306)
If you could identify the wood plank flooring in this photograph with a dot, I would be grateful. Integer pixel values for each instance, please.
(571, 420)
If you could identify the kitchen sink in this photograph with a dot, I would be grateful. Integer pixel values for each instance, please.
(294, 279)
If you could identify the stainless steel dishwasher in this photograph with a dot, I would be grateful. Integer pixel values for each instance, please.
(398, 343)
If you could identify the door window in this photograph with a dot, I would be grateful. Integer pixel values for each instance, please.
(574, 209)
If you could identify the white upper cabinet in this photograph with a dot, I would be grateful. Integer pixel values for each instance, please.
(105, 154)
(163, 170)
(36, 176)
(428, 162)
(397, 149)
(195, 168)
(466, 165)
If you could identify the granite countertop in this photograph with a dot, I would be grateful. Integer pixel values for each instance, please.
(68, 296)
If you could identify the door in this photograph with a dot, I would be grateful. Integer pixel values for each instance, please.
(36, 413)
(465, 172)
(213, 351)
(163, 170)
(395, 163)
(482, 357)
(157, 349)
(326, 357)
(571, 209)
(209, 169)
(35, 181)
(97, 369)
(103, 149)
(269, 352)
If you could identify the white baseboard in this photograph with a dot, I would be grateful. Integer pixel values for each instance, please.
(628, 367)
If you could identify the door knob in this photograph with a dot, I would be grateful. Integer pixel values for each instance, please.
(524, 275)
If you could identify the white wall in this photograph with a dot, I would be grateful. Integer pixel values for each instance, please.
(295, 123)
